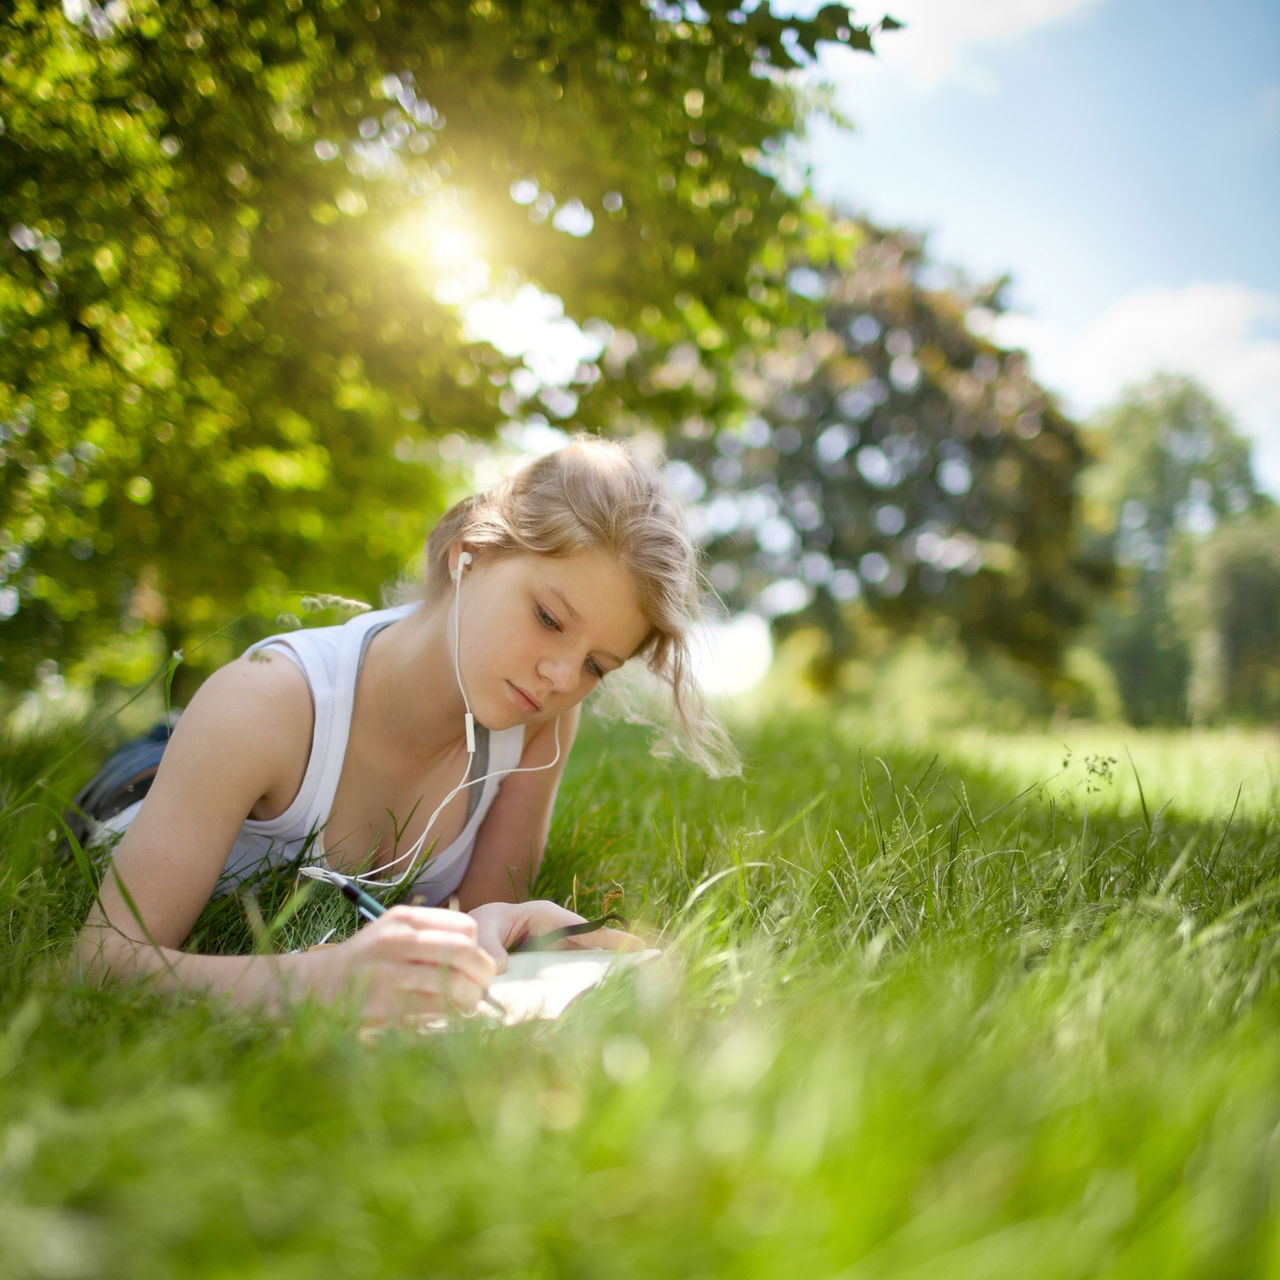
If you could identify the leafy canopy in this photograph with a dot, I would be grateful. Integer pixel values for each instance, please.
(239, 235)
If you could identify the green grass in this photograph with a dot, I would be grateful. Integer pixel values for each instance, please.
(935, 1007)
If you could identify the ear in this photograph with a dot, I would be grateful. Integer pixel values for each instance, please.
(459, 559)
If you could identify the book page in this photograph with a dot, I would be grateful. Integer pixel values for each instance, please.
(542, 984)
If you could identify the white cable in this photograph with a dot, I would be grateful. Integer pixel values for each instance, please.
(464, 559)
(415, 849)
(375, 880)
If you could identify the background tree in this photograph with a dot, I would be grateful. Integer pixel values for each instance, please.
(1169, 468)
(238, 235)
(1230, 611)
(894, 457)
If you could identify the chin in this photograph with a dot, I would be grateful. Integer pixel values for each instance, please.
(496, 719)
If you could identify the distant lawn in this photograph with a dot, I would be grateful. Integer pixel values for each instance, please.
(1196, 773)
(920, 1016)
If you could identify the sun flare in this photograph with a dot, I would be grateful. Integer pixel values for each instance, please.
(445, 248)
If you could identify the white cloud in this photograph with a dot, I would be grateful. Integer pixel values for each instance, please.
(937, 44)
(940, 35)
(1224, 335)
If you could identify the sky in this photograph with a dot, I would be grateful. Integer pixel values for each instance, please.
(1119, 159)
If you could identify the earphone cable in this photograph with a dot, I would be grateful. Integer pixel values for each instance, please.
(376, 881)
(415, 849)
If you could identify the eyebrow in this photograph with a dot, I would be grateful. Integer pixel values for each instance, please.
(577, 617)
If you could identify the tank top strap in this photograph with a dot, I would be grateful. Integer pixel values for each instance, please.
(330, 660)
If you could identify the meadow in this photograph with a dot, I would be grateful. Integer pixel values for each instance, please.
(956, 1004)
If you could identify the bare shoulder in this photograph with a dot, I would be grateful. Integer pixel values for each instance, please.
(259, 689)
(240, 749)
(265, 679)
(252, 718)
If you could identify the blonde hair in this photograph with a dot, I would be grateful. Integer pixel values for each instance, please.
(599, 495)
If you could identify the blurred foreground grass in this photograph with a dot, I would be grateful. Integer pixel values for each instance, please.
(929, 1008)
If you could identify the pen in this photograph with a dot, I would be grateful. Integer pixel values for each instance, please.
(368, 907)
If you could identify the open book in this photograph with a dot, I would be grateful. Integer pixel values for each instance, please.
(542, 984)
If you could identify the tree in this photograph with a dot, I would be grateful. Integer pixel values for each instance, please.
(1230, 610)
(894, 456)
(1169, 468)
(219, 376)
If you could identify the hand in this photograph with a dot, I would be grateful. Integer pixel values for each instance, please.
(410, 964)
(503, 925)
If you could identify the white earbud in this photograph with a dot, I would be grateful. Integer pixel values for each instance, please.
(463, 560)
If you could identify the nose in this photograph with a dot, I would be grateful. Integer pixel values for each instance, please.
(559, 673)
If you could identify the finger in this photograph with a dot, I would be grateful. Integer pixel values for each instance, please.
(548, 916)
(433, 918)
(437, 988)
(434, 947)
(539, 916)
(410, 993)
(466, 958)
(551, 938)
(540, 924)
(493, 941)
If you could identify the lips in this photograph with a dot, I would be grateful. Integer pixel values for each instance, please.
(524, 701)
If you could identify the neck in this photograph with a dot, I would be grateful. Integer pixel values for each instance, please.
(408, 678)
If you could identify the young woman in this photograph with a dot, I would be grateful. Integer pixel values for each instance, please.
(422, 743)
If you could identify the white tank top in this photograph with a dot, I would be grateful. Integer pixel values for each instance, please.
(330, 659)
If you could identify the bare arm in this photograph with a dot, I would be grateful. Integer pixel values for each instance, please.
(241, 749)
(508, 853)
(513, 836)
(413, 962)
